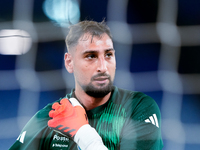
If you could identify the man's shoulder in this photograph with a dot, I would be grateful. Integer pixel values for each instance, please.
(132, 100)
(125, 94)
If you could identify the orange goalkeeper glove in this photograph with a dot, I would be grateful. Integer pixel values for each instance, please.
(67, 117)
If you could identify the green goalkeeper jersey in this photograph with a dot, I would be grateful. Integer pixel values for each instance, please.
(128, 121)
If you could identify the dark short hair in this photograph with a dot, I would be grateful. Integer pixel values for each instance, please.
(92, 27)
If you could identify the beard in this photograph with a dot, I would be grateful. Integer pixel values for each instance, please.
(100, 90)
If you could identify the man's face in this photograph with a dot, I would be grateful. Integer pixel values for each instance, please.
(94, 65)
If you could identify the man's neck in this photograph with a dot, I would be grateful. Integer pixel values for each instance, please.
(90, 102)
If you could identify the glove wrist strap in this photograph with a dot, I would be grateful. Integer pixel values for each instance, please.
(87, 138)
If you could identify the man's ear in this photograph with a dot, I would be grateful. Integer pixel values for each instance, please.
(69, 63)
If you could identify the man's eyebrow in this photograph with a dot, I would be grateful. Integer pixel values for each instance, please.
(110, 49)
(89, 51)
(96, 51)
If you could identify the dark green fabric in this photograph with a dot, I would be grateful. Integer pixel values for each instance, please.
(120, 122)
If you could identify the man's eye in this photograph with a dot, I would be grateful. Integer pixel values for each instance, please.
(109, 54)
(90, 56)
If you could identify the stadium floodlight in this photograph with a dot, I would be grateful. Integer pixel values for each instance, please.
(62, 12)
(14, 42)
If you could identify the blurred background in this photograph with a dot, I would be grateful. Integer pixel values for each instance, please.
(157, 45)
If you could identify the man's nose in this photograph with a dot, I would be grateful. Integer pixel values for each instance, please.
(102, 65)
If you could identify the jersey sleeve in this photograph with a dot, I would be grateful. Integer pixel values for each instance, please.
(142, 129)
(33, 133)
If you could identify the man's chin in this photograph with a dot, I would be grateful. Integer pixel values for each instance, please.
(98, 91)
(97, 94)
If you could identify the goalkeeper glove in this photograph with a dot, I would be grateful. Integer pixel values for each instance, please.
(70, 119)
(67, 119)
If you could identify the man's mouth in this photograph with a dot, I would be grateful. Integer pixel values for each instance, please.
(101, 78)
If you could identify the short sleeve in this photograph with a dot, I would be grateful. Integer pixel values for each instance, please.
(32, 134)
(142, 129)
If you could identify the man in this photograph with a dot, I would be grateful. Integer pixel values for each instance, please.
(96, 114)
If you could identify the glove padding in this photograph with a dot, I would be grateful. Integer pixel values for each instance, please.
(67, 117)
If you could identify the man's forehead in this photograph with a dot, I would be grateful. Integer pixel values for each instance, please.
(87, 37)
(98, 43)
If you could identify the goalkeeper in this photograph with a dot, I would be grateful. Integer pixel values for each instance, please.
(96, 114)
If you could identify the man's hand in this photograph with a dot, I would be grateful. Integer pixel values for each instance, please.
(70, 119)
(67, 117)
